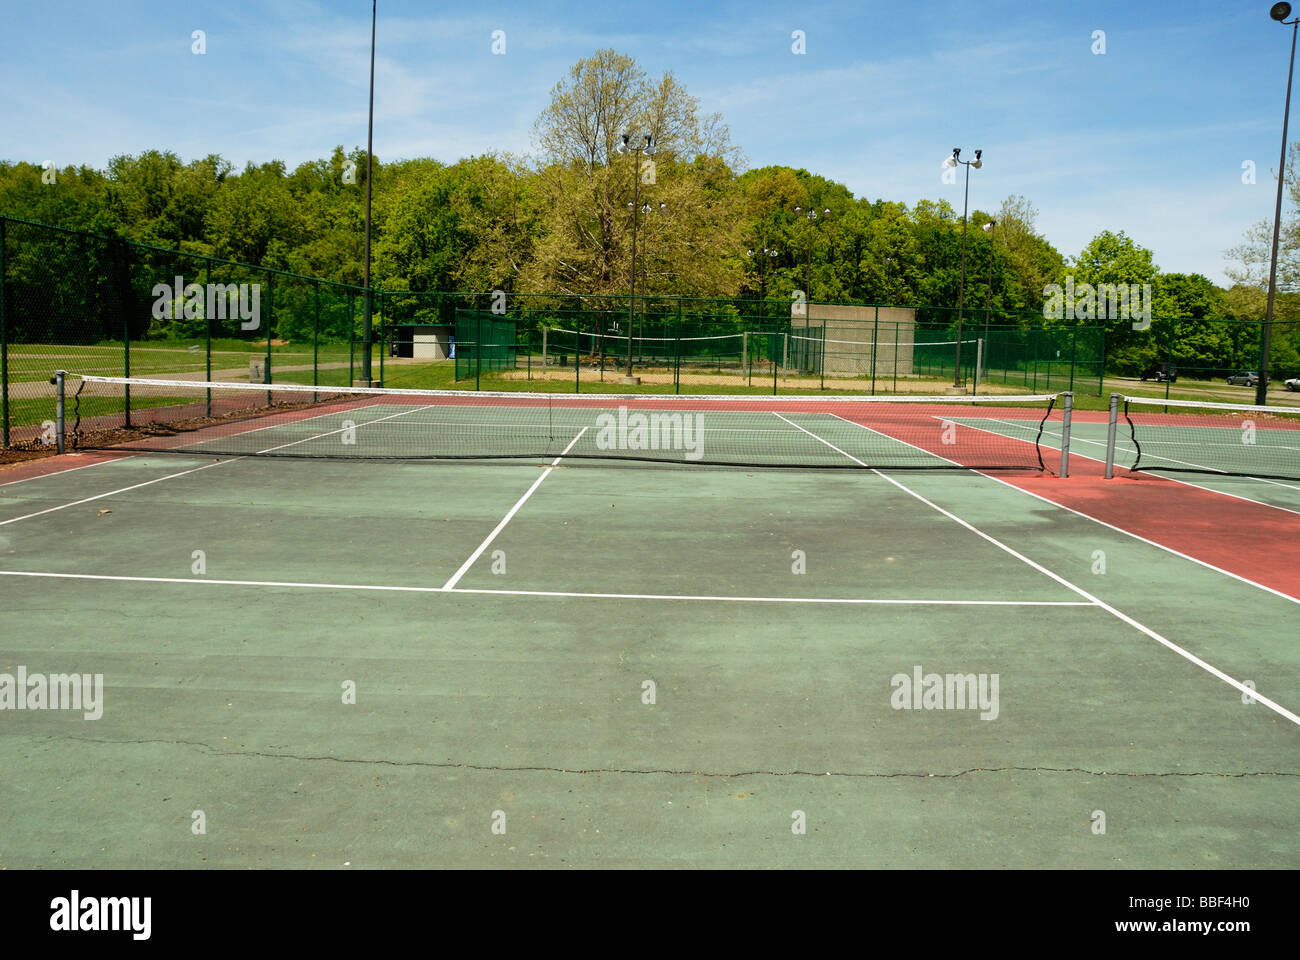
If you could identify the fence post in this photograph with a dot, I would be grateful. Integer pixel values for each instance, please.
(772, 358)
(875, 346)
(1169, 357)
(383, 342)
(315, 336)
(207, 327)
(1074, 342)
(4, 344)
(478, 348)
(896, 325)
(1101, 374)
(270, 316)
(677, 350)
(1033, 348)
(126, 349)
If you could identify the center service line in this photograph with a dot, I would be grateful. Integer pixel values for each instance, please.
(464, 567)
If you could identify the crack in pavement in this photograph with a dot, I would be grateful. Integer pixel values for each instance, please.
(664, 771)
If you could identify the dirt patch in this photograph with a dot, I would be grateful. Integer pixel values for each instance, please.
(23, 451)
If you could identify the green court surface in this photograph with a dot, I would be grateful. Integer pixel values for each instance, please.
(628, 665)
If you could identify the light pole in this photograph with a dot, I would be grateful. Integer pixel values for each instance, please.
(811, 216)
(370, 142)
(982, 355)
(766, 255)
(952, 161)
(1279, 12)
(646, 207)
(647, 147)
(988, 290)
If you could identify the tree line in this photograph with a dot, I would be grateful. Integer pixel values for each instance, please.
(560, 221)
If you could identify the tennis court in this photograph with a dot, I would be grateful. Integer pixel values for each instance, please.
(825, 641)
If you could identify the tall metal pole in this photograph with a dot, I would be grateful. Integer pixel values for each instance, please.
(961, 296)
(1261, 388)
(636, 212)
(370, 143)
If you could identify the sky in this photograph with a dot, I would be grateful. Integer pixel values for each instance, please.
(1147, 134)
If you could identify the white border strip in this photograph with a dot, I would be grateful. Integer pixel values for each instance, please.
(1250, 408)
(55, 473)
(185, 387)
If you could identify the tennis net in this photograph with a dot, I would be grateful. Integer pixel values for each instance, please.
(1189, 436)
(291, 420)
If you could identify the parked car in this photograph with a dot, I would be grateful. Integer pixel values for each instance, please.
(1292, 384)
(1244, 378)
(1161, 372)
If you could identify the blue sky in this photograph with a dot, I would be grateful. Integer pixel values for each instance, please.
(1149, 137)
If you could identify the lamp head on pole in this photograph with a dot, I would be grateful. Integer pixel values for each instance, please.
(988, 227)
(952, 160)
(1280, 12)
(977, 162)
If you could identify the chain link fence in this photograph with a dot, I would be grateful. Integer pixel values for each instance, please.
(92, 304)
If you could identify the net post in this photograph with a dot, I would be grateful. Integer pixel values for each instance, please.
(1066, 414)
(58, 381)
(1111, 428)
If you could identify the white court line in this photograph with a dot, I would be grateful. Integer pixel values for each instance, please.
(301, 585)
(183, 473)
(1135, 536)
(101, 496)
(1186, 654)
(56, 473)
(464, 567)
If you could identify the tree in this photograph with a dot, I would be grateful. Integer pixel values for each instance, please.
(1032, 261)
(584, 245)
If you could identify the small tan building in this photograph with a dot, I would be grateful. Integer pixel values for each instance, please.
(853, 337)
